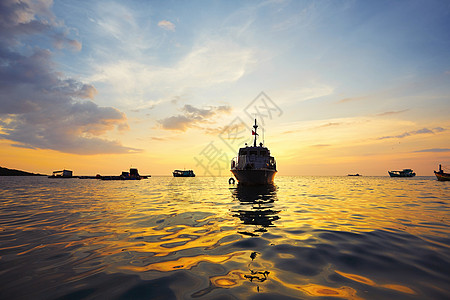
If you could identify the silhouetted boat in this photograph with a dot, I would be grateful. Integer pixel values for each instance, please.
(354, 174)
(254, 165)
(441, 175)
(183, 173)
(132, 175)
(403, 173)
(62, 174)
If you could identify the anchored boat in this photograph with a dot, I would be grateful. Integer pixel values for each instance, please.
(183, 173)
(254, 165)
(62, 174)
(441, 175)
(403, 173)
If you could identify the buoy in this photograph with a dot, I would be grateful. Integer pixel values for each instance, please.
(231, 180)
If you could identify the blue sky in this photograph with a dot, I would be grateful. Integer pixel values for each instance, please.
(129, 76)
(352, 47)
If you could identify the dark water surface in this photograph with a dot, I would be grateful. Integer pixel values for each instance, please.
(200, 238)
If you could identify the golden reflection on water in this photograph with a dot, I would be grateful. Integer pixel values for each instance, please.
(325, 291)
(231, 279)
(165, 225)
(365, 280)
(183, 263)
(363, 204)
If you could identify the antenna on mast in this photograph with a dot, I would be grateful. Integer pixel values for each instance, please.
(263, 134)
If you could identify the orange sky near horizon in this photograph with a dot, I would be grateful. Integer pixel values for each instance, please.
(339, 87)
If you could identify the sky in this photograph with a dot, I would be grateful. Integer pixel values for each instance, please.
(337, 87)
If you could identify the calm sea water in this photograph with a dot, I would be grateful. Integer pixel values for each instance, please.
(201, 238)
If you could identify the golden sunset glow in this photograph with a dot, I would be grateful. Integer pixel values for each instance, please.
(224, 149)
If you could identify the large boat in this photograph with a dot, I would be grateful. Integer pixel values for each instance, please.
(254, 165)
(441, 175)
(403, 173)
(183, 173)
(62, 174)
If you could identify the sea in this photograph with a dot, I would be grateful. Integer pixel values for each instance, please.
(202, 238)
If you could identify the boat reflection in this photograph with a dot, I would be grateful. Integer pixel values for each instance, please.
(256, 207)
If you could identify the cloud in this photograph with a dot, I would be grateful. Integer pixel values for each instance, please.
(410, 133)
(179, 122)
(155, 138)
(167, 25)
(345, 100)
(311, 90)
(26, 17)
(223, 130)
(389, 113)
(61, 41)
(330, 124)
(209, 64)
(192, 117)
(434, 150)
(39, 106)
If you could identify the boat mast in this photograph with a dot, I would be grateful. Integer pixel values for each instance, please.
(255, 126)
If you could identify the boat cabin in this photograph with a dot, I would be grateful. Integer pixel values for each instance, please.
(254, 158)
(63, 173)
(257, 151)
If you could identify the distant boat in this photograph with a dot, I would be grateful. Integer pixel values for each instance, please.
(441, 175)
(403, 173)
(62, 174)
(132, 175)
(254, 165)
(183, 173)
(354, 174)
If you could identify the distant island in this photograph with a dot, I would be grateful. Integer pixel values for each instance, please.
(12, 172)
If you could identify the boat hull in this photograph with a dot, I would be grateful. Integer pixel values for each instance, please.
(441, 176)
(254, 177)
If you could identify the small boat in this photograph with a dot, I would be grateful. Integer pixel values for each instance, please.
(62, 174)
(403, 173)
(354, 174)
(254, 165)
(183, 173)
(441, 175)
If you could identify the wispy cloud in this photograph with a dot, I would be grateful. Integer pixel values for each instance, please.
(411, 133)
(40, 107)
(160, 139)
(330, 124)
(352, 99)
(310, 90)
(434, 150)
(390, 113)
(167, 25)
(239, 127)
(209, 64)
(192, 117)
